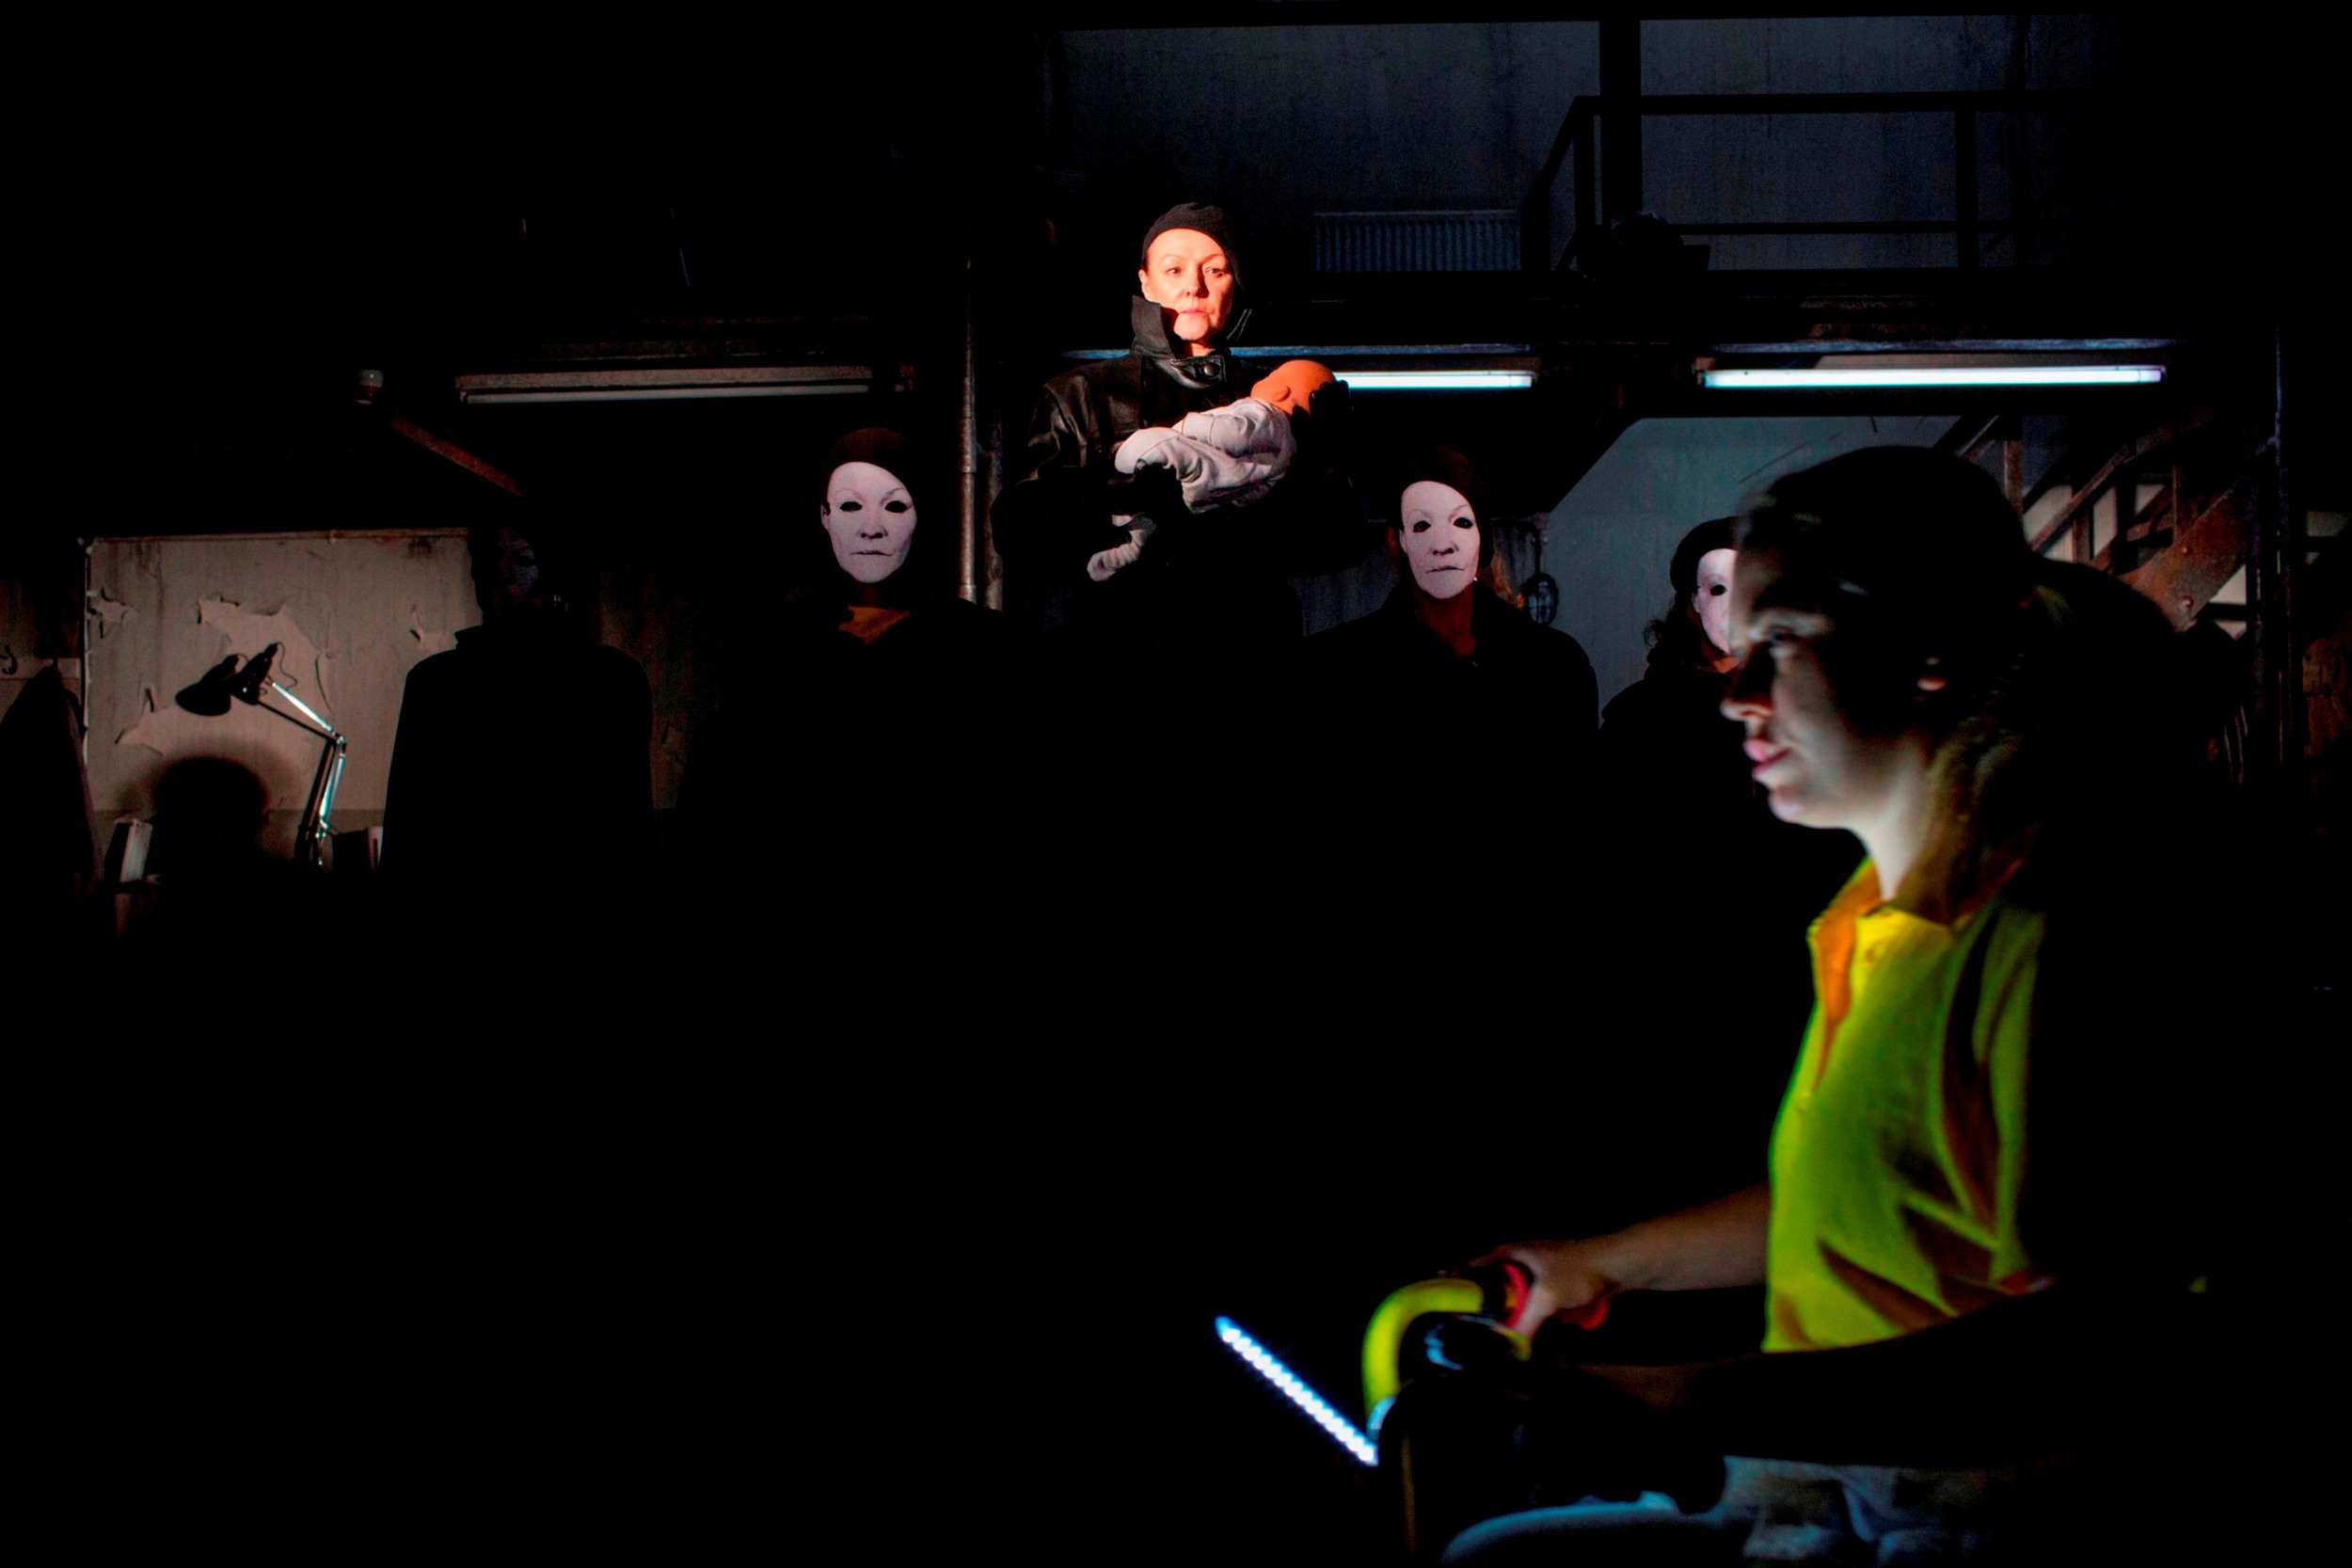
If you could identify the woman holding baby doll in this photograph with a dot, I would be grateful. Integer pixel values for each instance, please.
(1171, 495)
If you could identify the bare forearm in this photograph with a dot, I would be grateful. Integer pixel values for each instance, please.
(1712, 1245)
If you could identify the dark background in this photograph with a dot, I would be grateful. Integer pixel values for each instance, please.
(729, 1277)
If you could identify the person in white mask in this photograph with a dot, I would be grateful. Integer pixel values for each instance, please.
(1448, 685)
(1687, 826)
(843, 711)
(1445, 625)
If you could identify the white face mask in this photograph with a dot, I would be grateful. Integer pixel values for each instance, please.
(1438, 533)
(870, 519)
(1712, 597)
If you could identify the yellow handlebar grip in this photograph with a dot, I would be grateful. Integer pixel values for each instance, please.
(1385, 1334)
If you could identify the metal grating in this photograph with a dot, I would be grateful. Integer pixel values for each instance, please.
(1417, 242)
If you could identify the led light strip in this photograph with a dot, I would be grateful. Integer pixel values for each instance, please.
(1990, 375)
(1296, 1391)
(1437, 381)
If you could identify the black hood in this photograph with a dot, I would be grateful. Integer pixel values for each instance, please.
(520, 632)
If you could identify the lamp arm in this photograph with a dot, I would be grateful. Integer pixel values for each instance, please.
(316, 827)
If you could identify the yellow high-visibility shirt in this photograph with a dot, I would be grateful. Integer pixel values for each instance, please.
(1899, 1153)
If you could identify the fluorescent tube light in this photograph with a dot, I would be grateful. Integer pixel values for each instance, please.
(1985, 375)
(663, 394)
(1437, 381)
(1332, 353)
(644, 386)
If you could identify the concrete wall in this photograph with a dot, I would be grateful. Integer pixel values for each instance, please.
(1610, 540)
(1766, 168)
(1278, 124)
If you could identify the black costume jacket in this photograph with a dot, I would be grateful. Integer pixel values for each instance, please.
(1214, 585)
(1521, 707)
(901, 713)
(521, 781)
(1673, 777)
(1711, 895)
(1668, 751)
(838, 730)
(1423, 781)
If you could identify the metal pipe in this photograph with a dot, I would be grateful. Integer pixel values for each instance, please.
(1621, 90)
(2297, 521)
(968, 543)
(1672, 105)
(2264, 606)
(90, 546)
(1964, 183)
(994, 565)
(1587, 196)
(2289, 530)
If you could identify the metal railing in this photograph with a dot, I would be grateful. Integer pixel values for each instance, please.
(1967, 226)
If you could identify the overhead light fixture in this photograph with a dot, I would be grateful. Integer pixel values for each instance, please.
(648, 385)
(1334, 353)
(1980, 375)
(2079, 346)
(1437, 381)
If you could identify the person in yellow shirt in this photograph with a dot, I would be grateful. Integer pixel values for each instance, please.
(1976, 1192)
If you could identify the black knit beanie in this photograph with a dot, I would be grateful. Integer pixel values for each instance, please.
(1202, 218)
(884, 449)
(1449, 468)
(1445, 466)
(1683, 571)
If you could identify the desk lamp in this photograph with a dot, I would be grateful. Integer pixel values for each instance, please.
(209, 697)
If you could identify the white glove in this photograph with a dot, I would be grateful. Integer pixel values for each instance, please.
(1104, 563)
(1227, 456)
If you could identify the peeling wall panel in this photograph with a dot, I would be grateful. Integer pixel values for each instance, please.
(354, 612)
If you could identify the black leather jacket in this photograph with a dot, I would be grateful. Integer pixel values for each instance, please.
(1061, 512)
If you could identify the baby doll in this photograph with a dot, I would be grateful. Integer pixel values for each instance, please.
(1221, 457)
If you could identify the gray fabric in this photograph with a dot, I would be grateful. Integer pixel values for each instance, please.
(1781, 1511)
